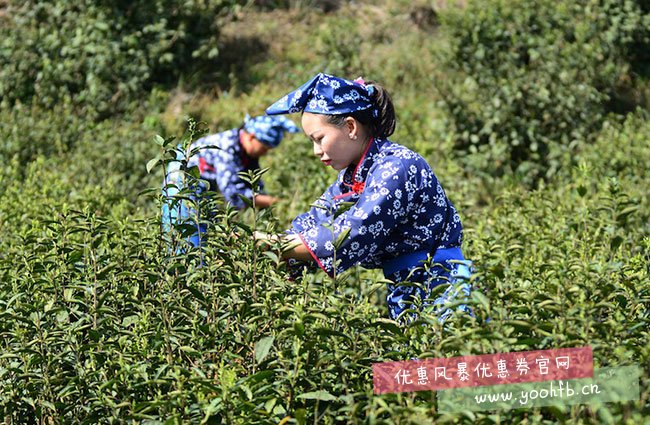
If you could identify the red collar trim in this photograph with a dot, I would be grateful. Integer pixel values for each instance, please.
(363, 157)
(356, 186)
(242, 152)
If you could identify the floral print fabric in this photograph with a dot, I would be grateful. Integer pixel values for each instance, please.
(269, 130)
(220, 160)
(401, 208)
(455, 273)
(222, 165)
(326, 94)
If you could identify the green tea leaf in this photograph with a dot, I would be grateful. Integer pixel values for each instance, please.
(152, 163)
(322, 395)
(262, 348)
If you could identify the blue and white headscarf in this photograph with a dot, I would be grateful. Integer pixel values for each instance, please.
(327, 94)
(269, 130)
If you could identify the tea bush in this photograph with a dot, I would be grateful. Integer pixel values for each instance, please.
(85, 152)
(102, 323)
(30, 131)
(103, 55)
(526, 82)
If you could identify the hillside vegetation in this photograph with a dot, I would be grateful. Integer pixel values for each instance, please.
(533, 115)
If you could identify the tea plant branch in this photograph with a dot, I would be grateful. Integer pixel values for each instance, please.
(91, 257)
(288, 246)
(44, 354)
(253, 178)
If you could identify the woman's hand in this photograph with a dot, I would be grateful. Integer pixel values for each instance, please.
(265, 201)
(264, 240)
(291, 245)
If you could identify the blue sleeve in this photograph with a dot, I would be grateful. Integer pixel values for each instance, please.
(379, 209)
(306, 221)
(315, 216)
(230, 183)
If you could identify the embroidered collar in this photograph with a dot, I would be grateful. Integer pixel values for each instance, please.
(246, 160)
(357, 177)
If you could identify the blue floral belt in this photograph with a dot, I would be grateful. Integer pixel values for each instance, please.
(414, 259)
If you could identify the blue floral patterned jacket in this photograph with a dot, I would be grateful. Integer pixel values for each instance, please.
(398, 207)
(222, 165)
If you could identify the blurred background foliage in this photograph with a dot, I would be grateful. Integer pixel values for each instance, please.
(102, 56)
(533, 115)
(529, 84)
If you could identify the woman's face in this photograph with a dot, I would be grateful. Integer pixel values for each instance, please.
(332, 144)
(253, 147)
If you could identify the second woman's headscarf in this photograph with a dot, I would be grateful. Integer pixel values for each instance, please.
(269, 130)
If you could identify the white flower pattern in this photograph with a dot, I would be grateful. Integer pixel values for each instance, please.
(378, 218)
(223, 164)
(386, 224)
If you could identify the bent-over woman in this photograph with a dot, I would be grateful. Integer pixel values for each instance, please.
(399, 215)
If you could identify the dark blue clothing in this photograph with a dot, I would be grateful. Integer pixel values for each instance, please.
(401, 209)
(398, 208)
(223, 165)
(220, 166)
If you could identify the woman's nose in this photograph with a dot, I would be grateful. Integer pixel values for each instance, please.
(317, 150)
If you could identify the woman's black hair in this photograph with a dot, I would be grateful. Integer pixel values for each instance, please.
(383, 125)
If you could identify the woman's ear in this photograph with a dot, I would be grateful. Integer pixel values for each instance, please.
(246, 138)
(352, 127)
